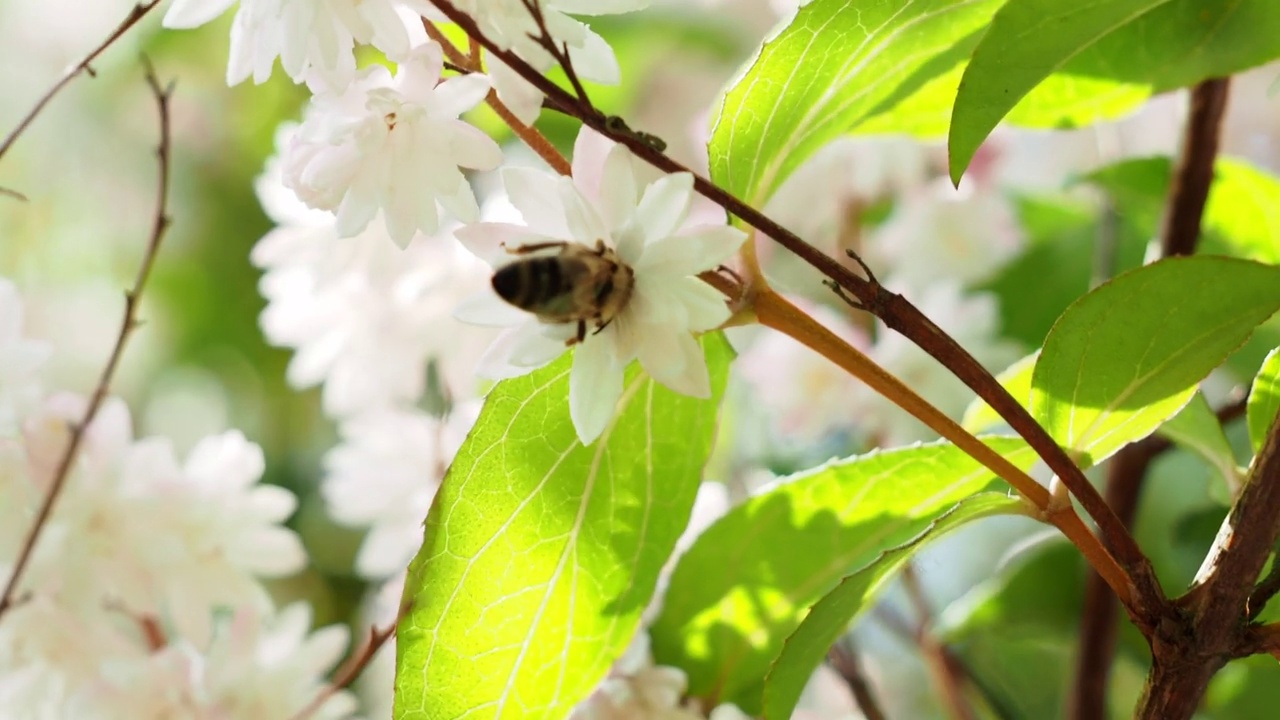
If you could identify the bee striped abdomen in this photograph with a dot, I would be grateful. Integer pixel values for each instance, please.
(537, 284)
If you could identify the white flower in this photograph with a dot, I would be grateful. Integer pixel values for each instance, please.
(667, 305)
(509, 24)
(811, 402)
(135, 528)
(940, 234)
(393, 144)
(309, 36)
(385, 473)
(973, 320)
(20, 361)
(365, 317)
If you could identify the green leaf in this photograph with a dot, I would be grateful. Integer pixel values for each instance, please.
(980, 417)
(1127, 356)
(1196, 428)
(855, 56)
(1027, 41)
(1174, 43)
(540, 554)
(748, 581)
(805, 649)
(1241, 217)
(1264, 400)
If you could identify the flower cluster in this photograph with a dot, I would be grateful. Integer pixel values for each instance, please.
(116, 615)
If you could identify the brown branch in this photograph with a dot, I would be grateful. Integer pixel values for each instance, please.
(1190, 650)
(350, 670)
(135, 14)
(1194, 175)
(843, 658)
(1128, 470)
(893, 309)
(127, 325)
(949, 682)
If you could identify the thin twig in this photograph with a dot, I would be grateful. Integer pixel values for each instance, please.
(1148, 602)
(843, 658)
(13, 194)
(949, 684)
(135, 14)
(350, 670)
(1128, 470)
(127, 326)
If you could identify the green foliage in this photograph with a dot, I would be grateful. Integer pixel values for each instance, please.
(855, 57)
(1128, 355)
(1197, 430)
(805, 649)
(747, 582)
(1264, 400)
(1155, 44)
(539, 553)
(1026, 42)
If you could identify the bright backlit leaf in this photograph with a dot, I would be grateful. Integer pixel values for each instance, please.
(1127, 356)
(1264, 400)
(749, 580)
(1027, 41)
(856, 56)
(981, 417)
(540, 554)
(806, 648)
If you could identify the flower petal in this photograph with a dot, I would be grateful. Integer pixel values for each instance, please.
(184, 14)
(489, 240)
(524, 342)
(585, 224)
(486, 309)
(536, 195)
(676, 362)
(458, 95)
(595, 385)
(664, 205)
(692, 253)
(704, 306)
(617, 192)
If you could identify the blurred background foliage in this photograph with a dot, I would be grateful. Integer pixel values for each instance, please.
(202, 364)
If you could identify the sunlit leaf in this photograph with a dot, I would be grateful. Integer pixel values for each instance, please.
(855, 56)
(749, 580)
(980, 417)
(1026, 42)
(540, 554)
(1264, 400)
(1127, 356)
(830, 617)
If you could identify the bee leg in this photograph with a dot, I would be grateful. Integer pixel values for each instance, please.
(582, 334)
(602, 326)
(524, 249)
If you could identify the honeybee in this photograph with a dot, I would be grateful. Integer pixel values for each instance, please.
(579, 284)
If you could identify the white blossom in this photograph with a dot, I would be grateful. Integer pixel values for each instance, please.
(311, 37)
(392, 144)
(385, 473)
(645, 225)
(509, 24)
(136, 528)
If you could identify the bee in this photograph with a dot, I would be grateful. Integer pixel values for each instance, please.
(578, 284)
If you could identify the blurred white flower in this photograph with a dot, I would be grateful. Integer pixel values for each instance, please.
(256, 667)
(509, 24)
(135, 528)
(365, 317)
(392, 144)
(940, 234)
(973, 320)
(384, 475)
(20, 362)
(636, 689)
(646, 226)
(811, 401)
(309, 36)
